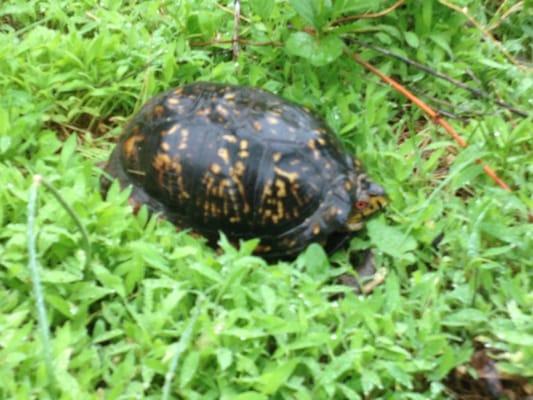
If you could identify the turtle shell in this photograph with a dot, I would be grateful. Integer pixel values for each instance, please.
(220, 158)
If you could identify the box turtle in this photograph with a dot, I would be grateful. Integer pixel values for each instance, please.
(213, 157)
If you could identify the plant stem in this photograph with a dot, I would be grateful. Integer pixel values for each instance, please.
(436, 118)
(44, 327)
(84, 235)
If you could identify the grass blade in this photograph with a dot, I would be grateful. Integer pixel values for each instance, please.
(181, 346)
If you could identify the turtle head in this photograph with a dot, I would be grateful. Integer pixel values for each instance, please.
(370, 198)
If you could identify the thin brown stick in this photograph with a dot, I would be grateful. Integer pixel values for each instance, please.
(230, 11)
(378, 14)
(432, 114)
(236, 21)
(485, 33)
(515, 8)
(476, 92)
(230, 41)
(440, 111)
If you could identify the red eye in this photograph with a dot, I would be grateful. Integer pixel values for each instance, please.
(361, 204)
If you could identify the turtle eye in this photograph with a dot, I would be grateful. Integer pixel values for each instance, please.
(361, 204)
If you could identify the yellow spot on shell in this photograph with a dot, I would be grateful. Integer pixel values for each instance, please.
(229, 96)
(243, 154)
(173, 101)
(162, 161)
(172, 130)
(165, 146)
(161, 164)
(281, 188)
(224, 154)
(272, 120)
(222, 110)
(184, 132)
(215, 168)
(291, 176)
(316, 229)
(239, 168)
(204, 112)
(177, 167)
(229, 138)
(243, 144)
(276, 157)
(263, 248)
(129, 145)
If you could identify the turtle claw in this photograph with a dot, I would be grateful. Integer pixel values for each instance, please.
(368, 278)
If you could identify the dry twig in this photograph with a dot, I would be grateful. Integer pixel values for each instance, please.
(486, 33)
(476, 92)
(432, 114)
(230, 11)
(513, 9)
(230, 41)
(378, 14)
(236, 21)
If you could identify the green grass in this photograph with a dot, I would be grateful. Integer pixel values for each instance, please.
(157, 313)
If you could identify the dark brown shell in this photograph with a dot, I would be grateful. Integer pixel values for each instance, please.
(216, 158)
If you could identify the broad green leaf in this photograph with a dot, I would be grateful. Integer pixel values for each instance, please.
(465, 317)
(269, 382)
(4, 122)
(189, 367)
(412, 39)
(68, 148)
(60, 304)
(445, 364)
(318, 50)
(224, 358)
(108, 336)
(269, 298)
(370, 380)
(520, 338)
(206, 271)
(390, 239)
(427, 15)
(306, 9)
(399, 374)
(263, 8)
(150, 254)
(251, 396)
(108, 280)
(443, 42)
(56, 276)
(337, 367)
(315, 261)
(493, 64)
